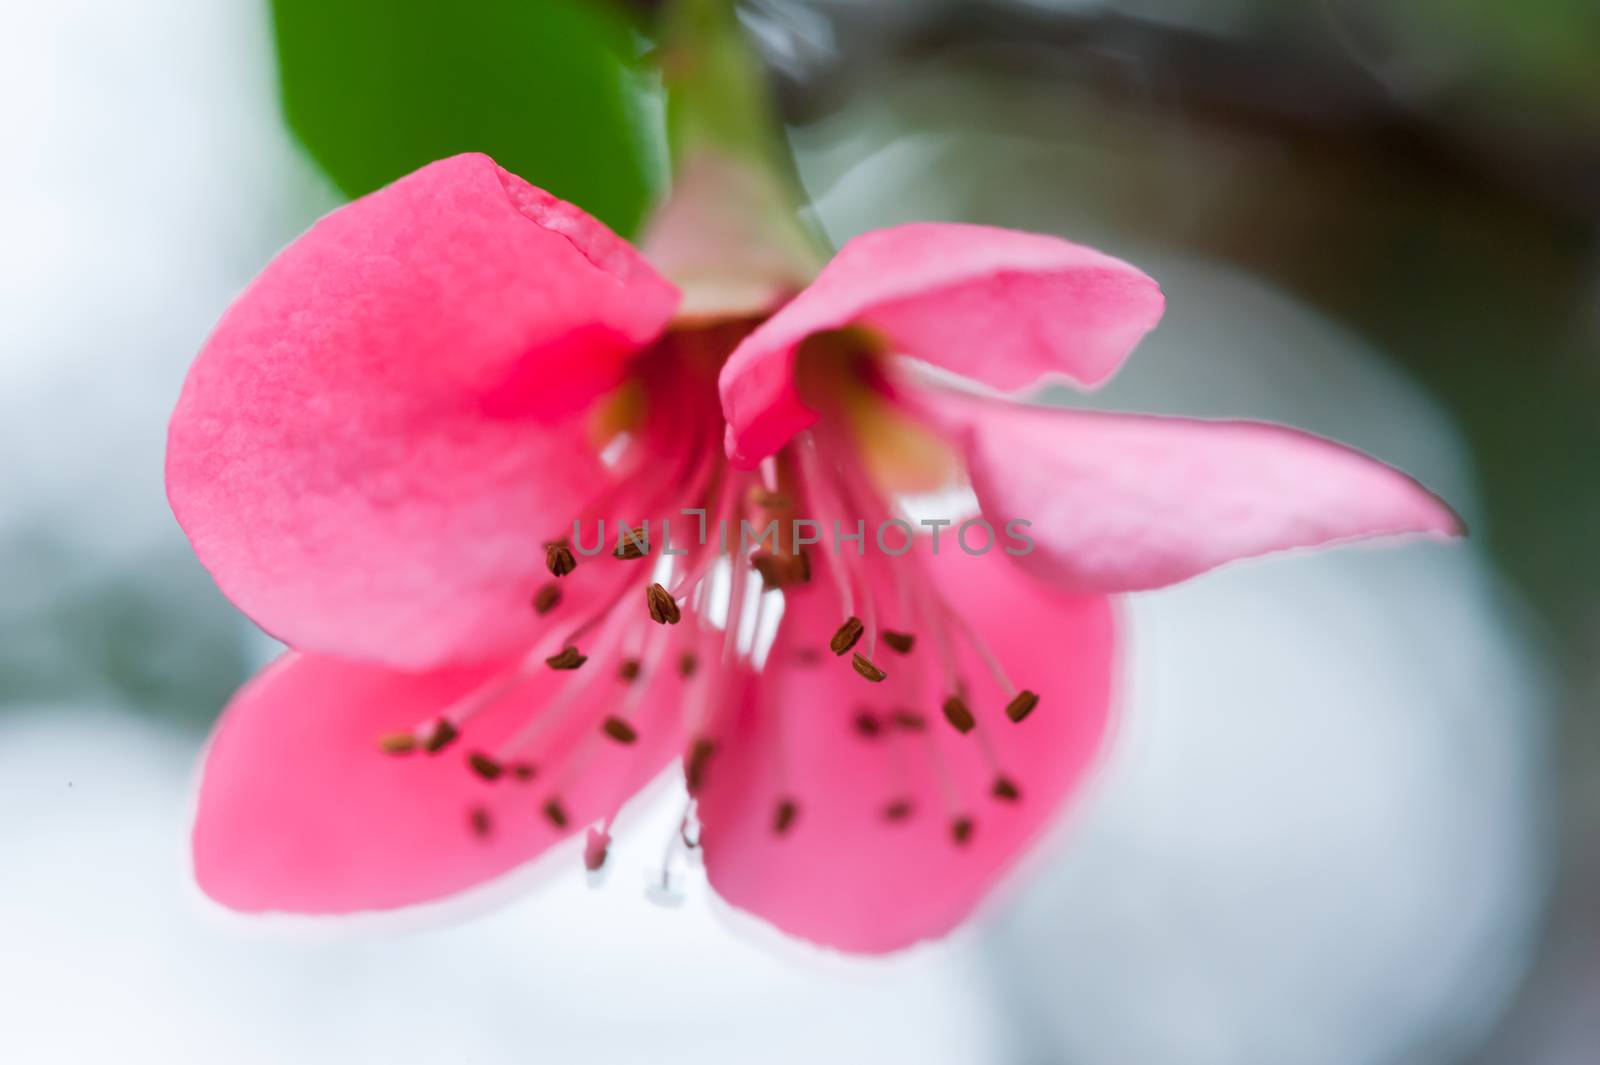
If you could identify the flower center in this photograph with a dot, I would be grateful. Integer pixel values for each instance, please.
(664, 569)
(640, 586)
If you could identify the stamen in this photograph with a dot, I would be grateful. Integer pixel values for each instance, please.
(482, 698)
(770, 567)
(763, 497)
(484, 766)
(1021, 705)
(397, 743)
(567, 658)
(930, 611)
(782, 571)
(596, 847)
(936, 617)
(908, 720)
(481, 823)
(819, 502)
(1006, 789)
(556, 709)
(619, 730)
(663, 608)
(783, 815)
(687, 664)
(444, 733)
(615, 727)
(899, 642)
(846, 636)
(694, 768)
(898, 810)
(546, 599)
(853, 497)
(629, 669)
(559, 559)
(957, 713)
(632, 544)
(738, 582)
(555, 813)
(864, 666)
(867, 725)
(666, 889)
(985, 653)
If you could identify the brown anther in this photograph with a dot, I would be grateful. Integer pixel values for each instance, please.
(397, 742)
(867, 724)
(766, 499)
(961, 830)
(959, 716)
(773, 569)
(909, 720)
(663, 608)
(629, 669)
(631, 545)
(619, 730)
(898, 810)
(1021, 705)
(783, 815)
(899, 642)
(863, 665)
(694, 766)
(568, 658)
(523, 771)
(559, 559)
(555, 813)
(781, 571)
(481, 823)
(846, 636)
(484, 766)
(442, 735)
(1006, 789)
(687, 664)
(546, 599)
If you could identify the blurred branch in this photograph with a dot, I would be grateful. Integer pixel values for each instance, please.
(1278, 87)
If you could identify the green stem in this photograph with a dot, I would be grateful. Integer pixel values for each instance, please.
(733, 175)
(717, 93)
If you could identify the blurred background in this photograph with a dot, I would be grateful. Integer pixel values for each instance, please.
(1353, 815)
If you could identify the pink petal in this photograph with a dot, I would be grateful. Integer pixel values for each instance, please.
(300, 812)
(1124, 502)
(359, 454)
(1003, 307)
(843, 875)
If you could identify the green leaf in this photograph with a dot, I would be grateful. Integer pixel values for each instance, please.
(376, 88)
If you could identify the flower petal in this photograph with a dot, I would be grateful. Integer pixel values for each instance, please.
(360, 454)
(1124, 502)
(845, 874)
(300, 812)
(1000, 306)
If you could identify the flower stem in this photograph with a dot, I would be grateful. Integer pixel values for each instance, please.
(729, 232)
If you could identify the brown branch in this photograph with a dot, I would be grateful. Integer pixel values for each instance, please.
(1280, 88)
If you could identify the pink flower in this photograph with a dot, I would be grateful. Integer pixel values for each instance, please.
(383, 449)
(380, 455)
(1113, 503)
